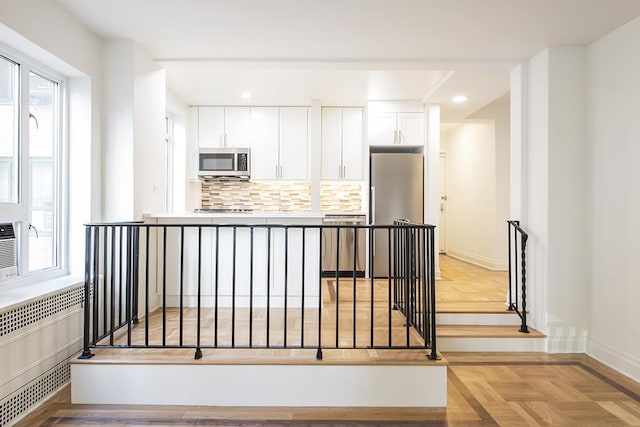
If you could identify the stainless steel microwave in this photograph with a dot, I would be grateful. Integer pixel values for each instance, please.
(220, 162)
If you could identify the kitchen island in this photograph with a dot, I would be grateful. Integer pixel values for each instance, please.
(237, 259)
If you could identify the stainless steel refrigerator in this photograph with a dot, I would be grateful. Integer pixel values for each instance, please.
(397, 192)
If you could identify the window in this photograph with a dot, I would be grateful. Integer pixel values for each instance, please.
(30, 146)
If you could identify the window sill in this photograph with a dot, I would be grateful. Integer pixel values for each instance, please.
(20, 294)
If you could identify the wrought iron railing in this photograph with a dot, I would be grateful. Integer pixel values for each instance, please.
(254, 286)
(518, 272)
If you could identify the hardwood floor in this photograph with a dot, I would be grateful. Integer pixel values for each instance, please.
(484, 389)
(468, 288)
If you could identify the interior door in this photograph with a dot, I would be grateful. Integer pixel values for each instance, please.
(442, 228)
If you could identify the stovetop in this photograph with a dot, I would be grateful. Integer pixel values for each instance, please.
(223, 210)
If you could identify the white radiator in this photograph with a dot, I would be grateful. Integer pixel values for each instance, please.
(8, 267)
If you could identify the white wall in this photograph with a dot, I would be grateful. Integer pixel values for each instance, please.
(32, 27)
(613, 174)
(179, 112)
(47, 33)
(499, 112)
(149, 136)
(557, 253)
(134, 146)
(118, 89)
(470, 175)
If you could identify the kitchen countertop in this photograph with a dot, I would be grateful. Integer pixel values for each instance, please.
(310, 215)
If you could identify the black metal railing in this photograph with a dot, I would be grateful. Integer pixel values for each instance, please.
(254, 286)
(518, 276)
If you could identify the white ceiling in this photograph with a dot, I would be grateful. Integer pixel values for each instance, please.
(348, 51)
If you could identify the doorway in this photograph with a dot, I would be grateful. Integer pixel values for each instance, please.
(442, 238)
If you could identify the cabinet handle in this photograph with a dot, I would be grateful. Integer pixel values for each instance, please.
(395, 136)
(276, 171)
(339, 171)
(281, 171)
(399, 137)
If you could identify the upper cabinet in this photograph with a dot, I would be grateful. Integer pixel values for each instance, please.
(396, 128)
(279, 143)
(224, 127)
(342, 150)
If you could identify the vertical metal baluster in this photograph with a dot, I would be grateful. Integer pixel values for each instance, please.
(319, 351)
(251, 286)
(164, 285)
(128, 286)
(217, 293)
(432, 287)
(337, 305)
(146, 287)
(113, 285)
(355, 250)
(286, 281)
(233, 287)
(391, 232)
(425, 291)
(95, 281)
(136, 270)
(86, 353)
(372, 276)
(407, 280)
(516, 253)
(181, 285)
(510, 306)
(268, 313)
(120, 275)
(523, 327)
(198, 353)
(105, 279)
(304, 234)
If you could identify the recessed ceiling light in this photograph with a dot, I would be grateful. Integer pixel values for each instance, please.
(459, 98)
(245, 95)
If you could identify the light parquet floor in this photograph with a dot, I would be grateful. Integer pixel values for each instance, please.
(484, 389)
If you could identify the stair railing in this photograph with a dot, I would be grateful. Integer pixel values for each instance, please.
(518, 255)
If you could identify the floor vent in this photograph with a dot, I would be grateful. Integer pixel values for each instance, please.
(22, 400)
(19, 317)
(8, 268)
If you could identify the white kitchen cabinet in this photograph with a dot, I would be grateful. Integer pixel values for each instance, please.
(264, 142)
(294, 142)
(342, 143)
(279, 143)
(396, 128)
(224, 127)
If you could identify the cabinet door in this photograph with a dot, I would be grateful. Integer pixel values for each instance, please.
(331, 143)
(410, 127)
(210, 127)
(237, 126)
(382, 129)
(264, 142)
(294, 143)
(352, 143)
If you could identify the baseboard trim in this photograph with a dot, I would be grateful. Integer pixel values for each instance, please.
(480, 261)
(622, 362)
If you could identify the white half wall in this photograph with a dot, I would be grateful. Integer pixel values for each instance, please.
(254, 385)
(612, 174)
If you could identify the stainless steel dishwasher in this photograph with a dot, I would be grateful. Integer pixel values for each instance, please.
(348, 237)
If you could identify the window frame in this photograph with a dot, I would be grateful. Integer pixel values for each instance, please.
(19, 213)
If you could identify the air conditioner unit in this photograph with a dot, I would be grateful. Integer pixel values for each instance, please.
(8, 268)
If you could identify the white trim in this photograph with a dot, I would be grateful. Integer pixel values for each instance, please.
(480, 261)
(625, 363)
